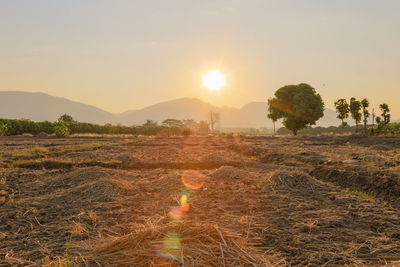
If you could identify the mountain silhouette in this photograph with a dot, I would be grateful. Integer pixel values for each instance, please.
(41, 106)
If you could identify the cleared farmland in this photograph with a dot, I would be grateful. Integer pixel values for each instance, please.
(262, 201)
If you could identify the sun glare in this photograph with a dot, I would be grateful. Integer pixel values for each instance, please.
(213, 80)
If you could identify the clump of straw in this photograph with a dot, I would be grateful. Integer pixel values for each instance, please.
(199, 245)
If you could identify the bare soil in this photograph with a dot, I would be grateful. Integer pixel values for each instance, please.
(293, 201)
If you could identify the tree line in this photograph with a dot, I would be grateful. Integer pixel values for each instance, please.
(359, 110)
(66, 125)
(300, 107)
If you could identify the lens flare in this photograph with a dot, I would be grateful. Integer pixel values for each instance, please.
(172, 244)
(185, 208)
(183, 200)
(171, 250)
(193, 179)
(176, 214)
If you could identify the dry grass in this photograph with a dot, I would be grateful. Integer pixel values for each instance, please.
(197, 245)
(119, 217)
(228, 172)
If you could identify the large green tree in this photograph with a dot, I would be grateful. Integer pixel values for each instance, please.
(355, 111)
(298, 105)
(342, 109)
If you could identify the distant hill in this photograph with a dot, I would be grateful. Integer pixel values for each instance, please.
(183, 108)
(251, 115)
(40, 107)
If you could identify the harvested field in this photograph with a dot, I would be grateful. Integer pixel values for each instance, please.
(200, 201)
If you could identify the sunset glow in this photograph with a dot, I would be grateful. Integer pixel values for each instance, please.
(213, 80)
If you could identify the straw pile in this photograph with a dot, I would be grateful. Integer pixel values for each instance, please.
(199, 245)
(77, 177)
(273, 157)
(93, 184)
(228, 172)
(215, 157)
(282, 180)
(127, 160)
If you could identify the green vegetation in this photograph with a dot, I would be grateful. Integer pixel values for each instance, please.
(321, 130)
(355, 111)
(363, 195)
(10, 127)
(273, 116)
(3, 130)
(66, 118)
(365, 112)
(61, 129)
(26, 152)
(385, 116)
(298, 105)
(359, 109)
(343, 109)
(187, 132)
(172, 123)
(67, 263)
(392, 128)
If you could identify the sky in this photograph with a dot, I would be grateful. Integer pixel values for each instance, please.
(120, 55)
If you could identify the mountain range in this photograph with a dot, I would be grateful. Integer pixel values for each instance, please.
(41, 106)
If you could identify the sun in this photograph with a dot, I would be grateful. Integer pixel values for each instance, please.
(213, 80)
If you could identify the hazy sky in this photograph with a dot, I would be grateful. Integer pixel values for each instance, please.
(121, 55)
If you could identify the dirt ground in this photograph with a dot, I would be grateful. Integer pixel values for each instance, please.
(251, 201)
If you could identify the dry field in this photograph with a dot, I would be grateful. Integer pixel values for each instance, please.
(248, 201)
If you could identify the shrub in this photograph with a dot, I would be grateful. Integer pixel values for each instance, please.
(3, 129)
(391, 128)
(61, 130)
(187, 132)
(165, 133)
(19, 127)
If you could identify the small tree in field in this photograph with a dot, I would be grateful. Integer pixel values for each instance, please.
(273, 115)
(172, 123)
(187, 132)
(373, 116)
(213, 119)
(203, 127)
(342, 109)
(378, 123)
(355, 111)
(298, 105)
(66, 118)
(150, 123)
(189, 124)
(385, 115)
(365, 112)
